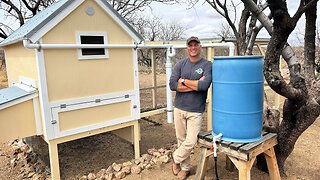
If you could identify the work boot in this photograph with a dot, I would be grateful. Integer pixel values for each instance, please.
(182, 175)
(176, 168)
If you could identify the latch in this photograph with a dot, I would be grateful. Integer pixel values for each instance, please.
(54, 122)
(98, 100)
(126, 96)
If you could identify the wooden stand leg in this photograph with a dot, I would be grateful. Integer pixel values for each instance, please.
(136, 140)
(244, 167)
(54, 160)
(272, 164)
(202, 163)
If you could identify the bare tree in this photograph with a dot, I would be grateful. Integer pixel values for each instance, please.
(244, 35)
(20, 10)
(225, 31)
(129, 8)
(153, 29)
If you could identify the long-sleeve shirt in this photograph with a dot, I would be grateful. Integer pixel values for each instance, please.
(193, 101)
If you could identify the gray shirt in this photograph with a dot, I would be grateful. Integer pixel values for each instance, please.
(193, 101)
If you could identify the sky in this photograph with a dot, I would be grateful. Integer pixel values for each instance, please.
(204, 22)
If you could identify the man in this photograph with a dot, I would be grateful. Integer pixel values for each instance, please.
(190, 79)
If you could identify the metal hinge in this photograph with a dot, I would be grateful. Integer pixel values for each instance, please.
(63, 106)
(53, 122)
(126, 96)
(98, 100)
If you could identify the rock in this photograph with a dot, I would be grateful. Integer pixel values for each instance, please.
(142, 166)
(146, 157)
(26, 149)
(31, 174)
(148, 166)
(168, 152)
(20, 143)
(157, 161)
(20, 156)
(164, 159)
(109, 176)
(84, 178)
(101, 173)
(38, 177)
(120, 175)
(136, 169)
(126, 169)
(128, 163)
(151, 151)
(91, 176)
(116, 167)
(109, 170)
(13, 162)
(137, 161)
(156, 154)
(161, 150)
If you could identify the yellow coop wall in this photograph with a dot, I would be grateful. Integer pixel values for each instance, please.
(68, 77)
(90, 116)
(20, 62)
(17, 121)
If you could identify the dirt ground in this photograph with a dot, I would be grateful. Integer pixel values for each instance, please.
(82, 156)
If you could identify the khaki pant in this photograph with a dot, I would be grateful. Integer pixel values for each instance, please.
(187, 125)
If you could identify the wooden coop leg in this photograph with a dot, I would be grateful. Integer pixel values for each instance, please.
(54, 160)
(136, 135)
(272, 164)
(244, 167)
(202, 163)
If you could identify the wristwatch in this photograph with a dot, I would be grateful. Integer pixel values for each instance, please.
(182, 81)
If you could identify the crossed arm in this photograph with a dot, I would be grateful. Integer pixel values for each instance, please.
(190, 85)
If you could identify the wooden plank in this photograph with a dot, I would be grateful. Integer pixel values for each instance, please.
(233, 153)
(204, 134)
(202, 164)
(263, 147)
(209, 138)
(225, 143)
(251, 146)
(272, 164)
(236, 146)
(204, 143)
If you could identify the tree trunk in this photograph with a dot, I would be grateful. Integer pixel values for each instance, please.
(301, 106)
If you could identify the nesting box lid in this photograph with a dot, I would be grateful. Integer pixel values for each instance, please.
(14, 93)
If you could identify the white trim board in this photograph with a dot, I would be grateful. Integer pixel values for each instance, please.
(47, 27)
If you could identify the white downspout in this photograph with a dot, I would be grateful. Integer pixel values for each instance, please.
(170, 53)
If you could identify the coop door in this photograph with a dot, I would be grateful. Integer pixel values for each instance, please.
(78, 117)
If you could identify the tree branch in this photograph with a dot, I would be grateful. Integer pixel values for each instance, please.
(16, 9)
(303, 8)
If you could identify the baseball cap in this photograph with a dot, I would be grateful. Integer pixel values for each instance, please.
(193, 38)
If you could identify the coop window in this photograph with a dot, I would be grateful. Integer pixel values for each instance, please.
(92, 53)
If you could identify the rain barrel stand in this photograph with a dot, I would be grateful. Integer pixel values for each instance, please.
(242, 155)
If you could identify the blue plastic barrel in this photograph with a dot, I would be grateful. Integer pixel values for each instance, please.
(237, 98)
